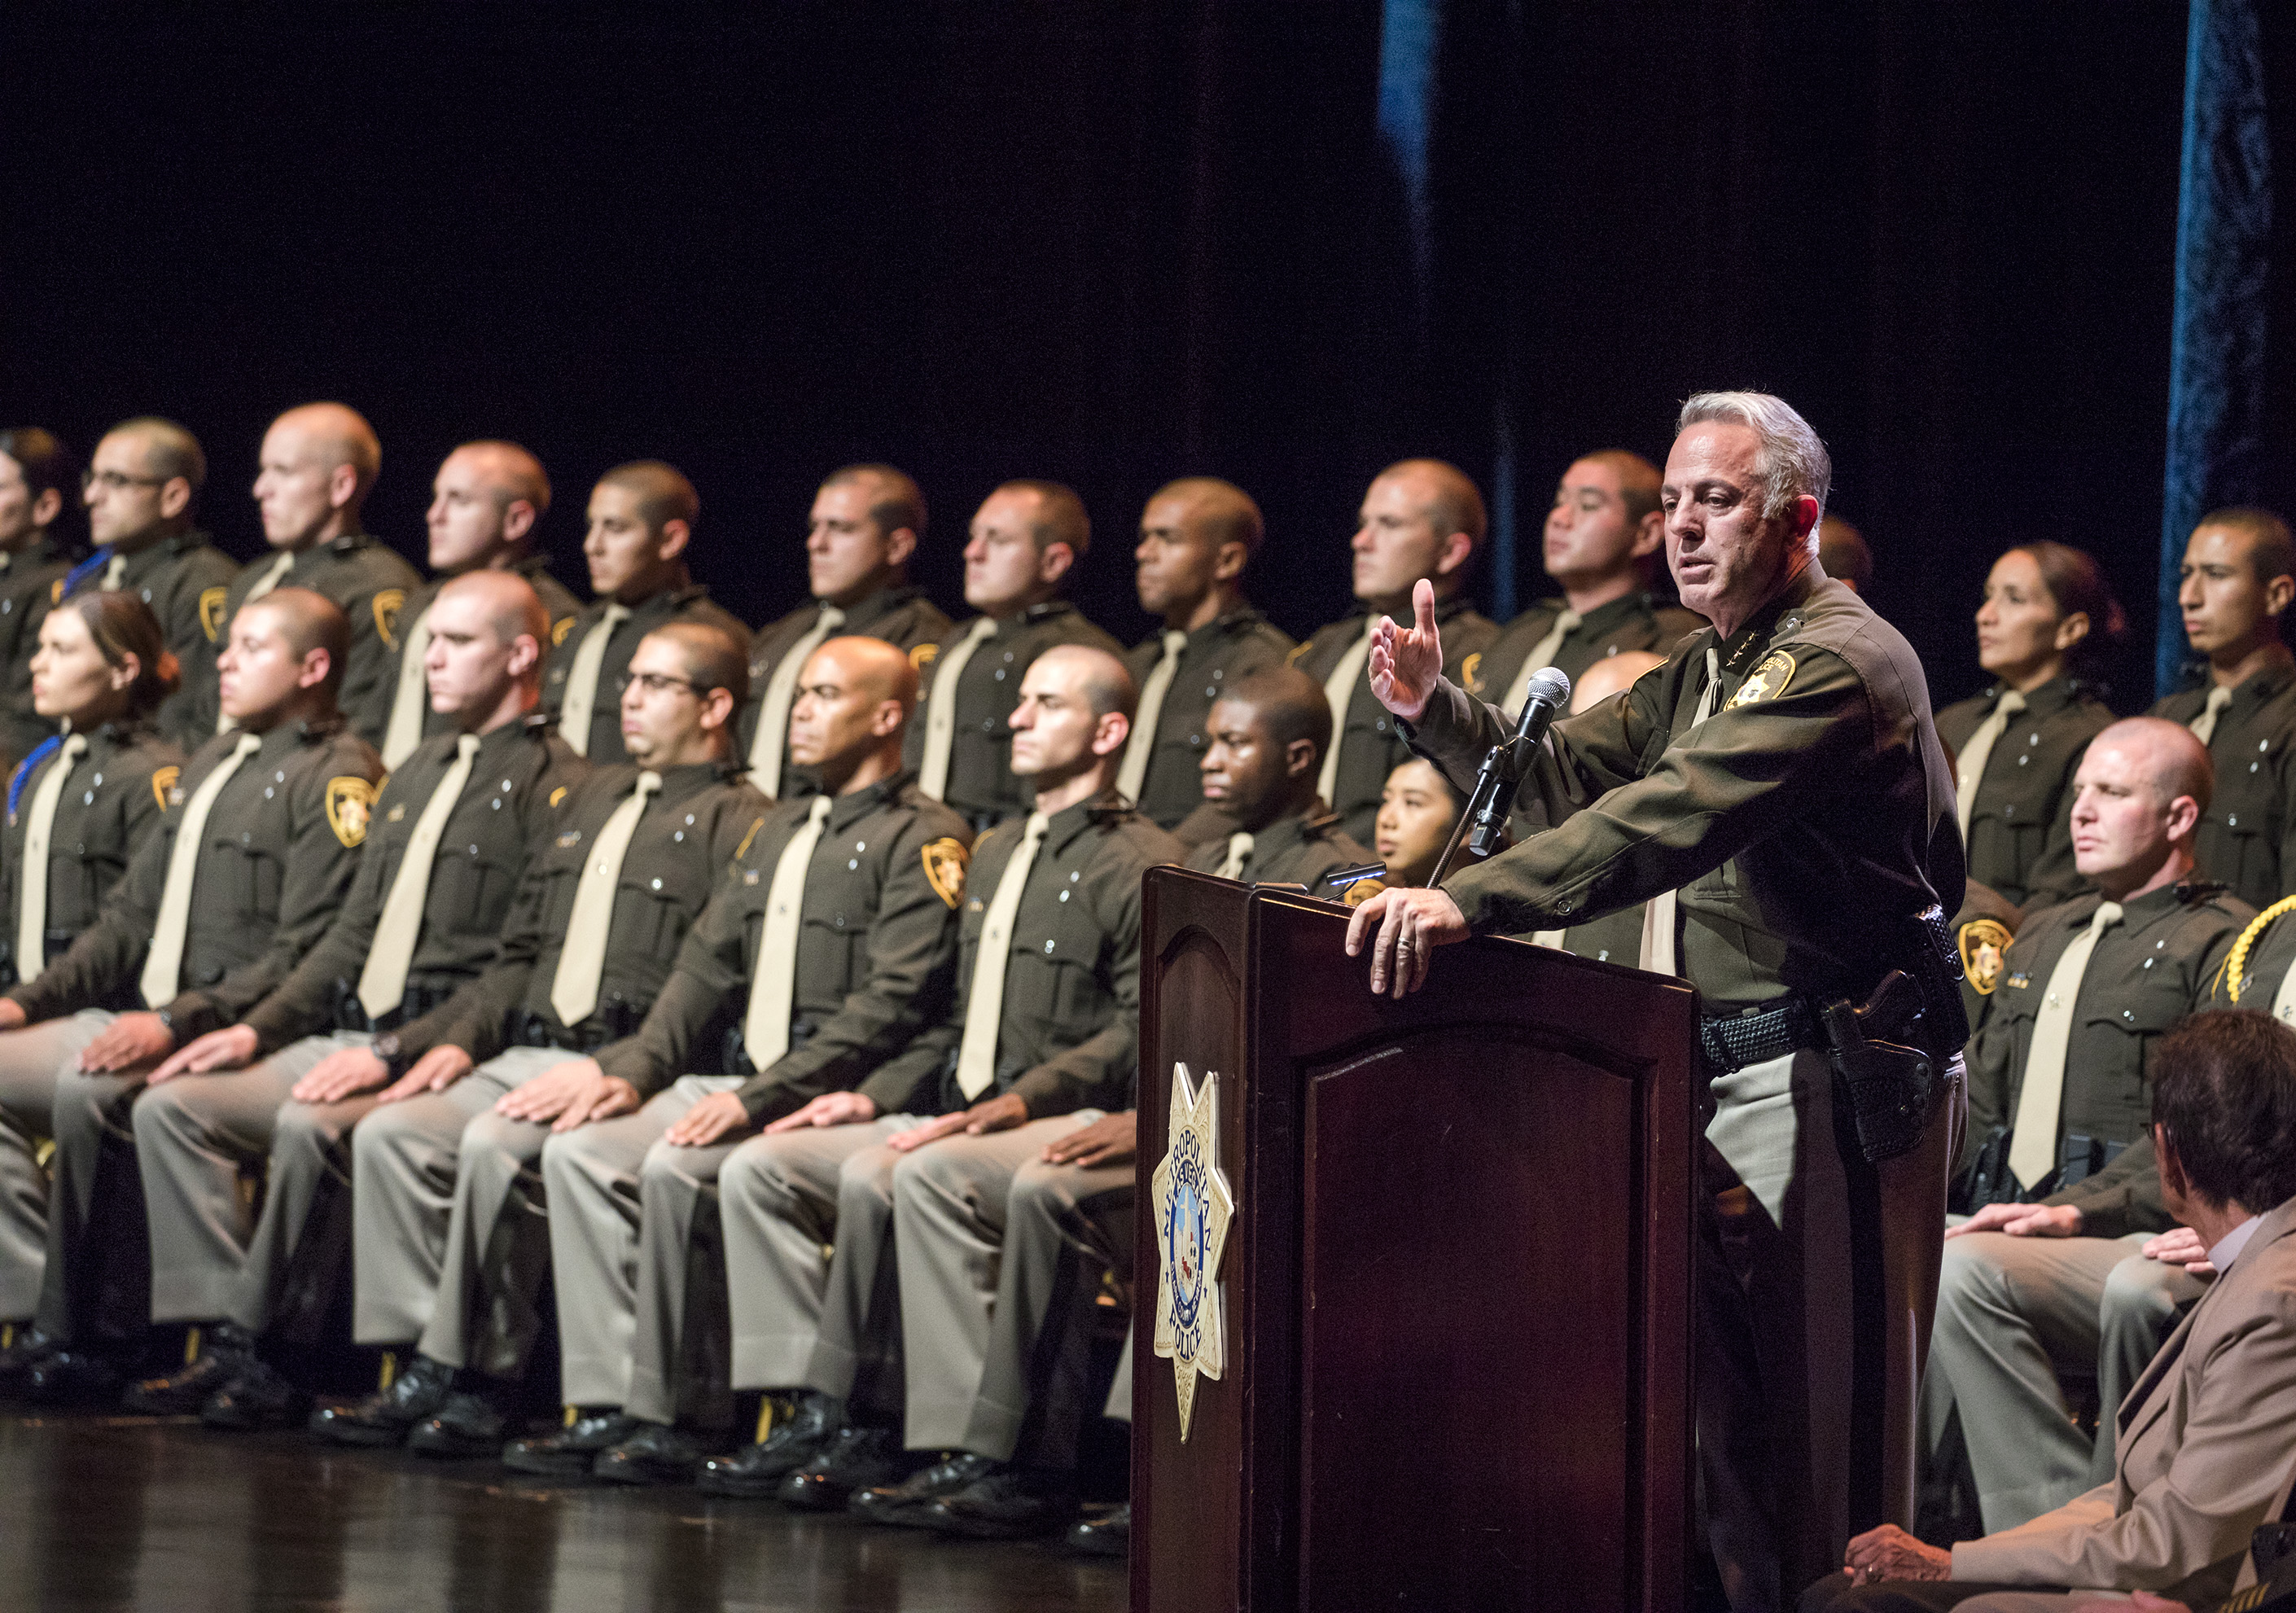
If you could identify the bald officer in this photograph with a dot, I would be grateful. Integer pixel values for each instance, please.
(642, 518)
(247, 870)
(142, 491)
(1792, 734)
(1196, 536)
(831, 946)
(1603, 533)
(1042, 1032)
(1025, 540)
(319, 464)
(1421, 521)
(448, 844)
(867, 523)
(483, 503)
(634, 853)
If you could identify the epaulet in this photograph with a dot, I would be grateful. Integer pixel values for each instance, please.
(2233, 972)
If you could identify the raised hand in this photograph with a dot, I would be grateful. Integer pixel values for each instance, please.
(1406, 662)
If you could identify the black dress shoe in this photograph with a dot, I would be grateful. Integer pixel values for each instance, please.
(797, 1440)
(72, 1377)
(259, 1398)
(909, 1503)
(465, 1426)
(1108, 1536)
(856, 1459)
(567, 1453)
(1006, 1506)
(383, 1417)
(655, 1454)
(225, 1353)
(25, 1351)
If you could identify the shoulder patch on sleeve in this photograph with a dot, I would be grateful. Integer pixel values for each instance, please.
(388, 603)
(1766, 681)
(559, 629)
(921, 656)
(350, 802)
(1984, 946)
(211, 611)
(1468, 668)
(944, 861)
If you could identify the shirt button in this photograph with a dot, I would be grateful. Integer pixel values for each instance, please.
(87, 797)
(1075, 874)
(1195, 739)
(267, 792)
(2023, 760)
(1000, 672)
(852, 862)
(99, 781)
(2033, 739)
(860, 845)
(657, 884)
(281, 777)
(1048, 946)
(988, 725)
(677, 835)
(495, 802)
(2149, 962)
(1064, 895)
(2126, 1014)
(2232, 821)
(689, 820)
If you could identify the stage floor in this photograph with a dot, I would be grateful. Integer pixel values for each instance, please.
(121, 1512)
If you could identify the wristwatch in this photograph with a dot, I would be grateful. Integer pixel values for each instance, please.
(386, 1048)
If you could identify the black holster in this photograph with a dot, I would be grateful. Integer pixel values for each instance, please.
(1889, 1055)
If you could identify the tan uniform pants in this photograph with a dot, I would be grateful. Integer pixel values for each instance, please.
(211, 1259)
(43, 1221)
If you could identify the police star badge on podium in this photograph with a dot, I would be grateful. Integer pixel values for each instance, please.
(1193, 1207)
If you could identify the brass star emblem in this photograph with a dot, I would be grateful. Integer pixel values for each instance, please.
(1192, 1206)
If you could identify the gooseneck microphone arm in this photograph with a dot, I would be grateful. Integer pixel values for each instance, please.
(1483, 823)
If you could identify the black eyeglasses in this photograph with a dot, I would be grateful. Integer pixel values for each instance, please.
(655, 683)
(112, 481)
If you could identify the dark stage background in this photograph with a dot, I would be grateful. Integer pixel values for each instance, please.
(1114, 243)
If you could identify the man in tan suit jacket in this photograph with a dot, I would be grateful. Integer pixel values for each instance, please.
(2206, 1447)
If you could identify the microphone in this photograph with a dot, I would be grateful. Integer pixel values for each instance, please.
(1483, 824)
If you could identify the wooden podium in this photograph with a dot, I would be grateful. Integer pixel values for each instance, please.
(1456, 1283)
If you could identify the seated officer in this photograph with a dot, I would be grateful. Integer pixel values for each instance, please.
(1044, 1023)
(2235, 585)
(242, 878)
(1417, 812)
(36, 475)
(2206, 1447)
(1196, 536)
(642, 518)
(867, 523)
(319, 463)
(2058, 1069)
(1604, 534)
(483, 503)
(79, 808)
(832, 943)
(1026, 538)
(1420, 519)
(141, 490)
(1267, 736)
(447, 845)
(634, 853)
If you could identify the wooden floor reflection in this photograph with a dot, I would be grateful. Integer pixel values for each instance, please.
(112, 1512)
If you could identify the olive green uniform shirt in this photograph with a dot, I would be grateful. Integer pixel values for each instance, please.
(876, 952)
(185, 579)
(557, 603)
(1298, 850)
(2147, 971)
(692, 830)
(1071, 1031)
(1804, 823)
(1218, 654)
(1633, 621)
(280, 848)
(981, 787)
(2020, 832)
(114, 800)
(1371, 744)
(686, 601)
(2246, 834)
(30, 583)
(900, 615)
(482, 853)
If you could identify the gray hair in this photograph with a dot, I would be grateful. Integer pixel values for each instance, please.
(1792, 462)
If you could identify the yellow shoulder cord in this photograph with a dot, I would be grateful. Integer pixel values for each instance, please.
(2235, 963)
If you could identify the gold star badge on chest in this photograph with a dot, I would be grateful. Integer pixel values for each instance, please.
(1193, 1204)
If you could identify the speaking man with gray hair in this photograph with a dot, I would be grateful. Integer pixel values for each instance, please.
(1777, 794)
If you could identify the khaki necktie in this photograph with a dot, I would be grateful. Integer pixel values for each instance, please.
(224, 722)
(383, 983)
(1239, 848)
(582, 681)
(940, 708)
(163, 965)
(582, 961)
(32, 914)
(2033, 1144)
(1969, 766)
(1542, 656)
(2204, 726)
(1339, 693)
(765, 1032)
(1661, 915)
(766, 751)
(115, 574)
(984, 1005)
(412, 698)
(1142, 746)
